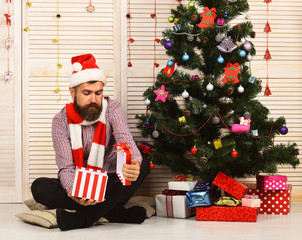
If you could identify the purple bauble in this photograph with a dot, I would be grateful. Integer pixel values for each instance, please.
(247, 46)
(283, 130)
(168, 45)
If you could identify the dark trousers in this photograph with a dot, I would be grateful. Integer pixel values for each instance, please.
(49, 192)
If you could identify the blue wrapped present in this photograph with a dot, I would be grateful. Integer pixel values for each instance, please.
(198, 199)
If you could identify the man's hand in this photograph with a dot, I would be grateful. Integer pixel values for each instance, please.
(131, 171)
(83, 201)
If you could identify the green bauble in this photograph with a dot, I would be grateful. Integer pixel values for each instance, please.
(191, 4)
(171, 19)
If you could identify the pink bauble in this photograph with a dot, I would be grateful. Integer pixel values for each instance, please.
(247, 46)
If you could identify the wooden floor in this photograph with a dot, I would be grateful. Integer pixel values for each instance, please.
(268, 227)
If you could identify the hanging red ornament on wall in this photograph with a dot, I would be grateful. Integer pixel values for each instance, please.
(267, 28)
(194, 150)
(234, 153)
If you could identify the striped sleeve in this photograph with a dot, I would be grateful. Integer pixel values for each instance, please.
(120, 129)
(63, 152)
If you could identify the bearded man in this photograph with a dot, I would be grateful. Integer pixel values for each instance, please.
(84, 133)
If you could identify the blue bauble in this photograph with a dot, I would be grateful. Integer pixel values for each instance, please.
(242, 53)
(283, 130)
(170, 63)
(225, 16)
(220, 59)
(147, 123)
(185, 57)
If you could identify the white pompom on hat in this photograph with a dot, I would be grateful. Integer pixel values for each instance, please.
(85, 70)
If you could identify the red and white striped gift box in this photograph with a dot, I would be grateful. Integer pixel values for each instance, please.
(90, 184)
(123, 156)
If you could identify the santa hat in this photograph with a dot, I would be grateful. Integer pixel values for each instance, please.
(85, 70)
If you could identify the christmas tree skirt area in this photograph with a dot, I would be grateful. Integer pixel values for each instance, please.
(267, 227)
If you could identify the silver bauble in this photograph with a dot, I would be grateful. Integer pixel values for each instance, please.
(210, 87)
(147, 102)
(219, 37)
(240, 89)
(185, 94)
(155, 134)
(247, 115)
(249, 57)
(190, 38)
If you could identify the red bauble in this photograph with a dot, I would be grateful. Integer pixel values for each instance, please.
(194, 150)
(234, 153)
(151, 165)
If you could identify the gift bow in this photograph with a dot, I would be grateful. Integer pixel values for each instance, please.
(123, 147)
(201, 186)
(233, 67)
(188, 178)
(251, 196)
(227, 201)
(244, 121)
(211, 12)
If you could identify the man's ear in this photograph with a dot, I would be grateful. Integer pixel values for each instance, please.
(72, 92)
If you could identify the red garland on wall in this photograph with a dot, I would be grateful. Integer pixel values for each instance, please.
(156, 40)
(267, 55)
(8, 74)
(130, 39)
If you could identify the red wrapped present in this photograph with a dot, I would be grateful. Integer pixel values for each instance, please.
(272, 201)
(146, 148)
(230, 185)
(90, 184)
(123, 156)
(226, 214)
(271, 182)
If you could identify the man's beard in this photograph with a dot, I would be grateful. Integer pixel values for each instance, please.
(89, 112)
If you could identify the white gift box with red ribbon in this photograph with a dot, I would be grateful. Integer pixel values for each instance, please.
(173, 206)
(123, 156)
(90, 184)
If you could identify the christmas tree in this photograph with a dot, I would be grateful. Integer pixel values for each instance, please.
(202, 110)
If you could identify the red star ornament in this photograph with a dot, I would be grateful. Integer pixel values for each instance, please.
(161, 94)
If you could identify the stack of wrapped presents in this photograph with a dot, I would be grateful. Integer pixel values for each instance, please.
(225, 199)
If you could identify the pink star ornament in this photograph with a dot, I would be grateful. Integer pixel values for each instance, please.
(161, 94)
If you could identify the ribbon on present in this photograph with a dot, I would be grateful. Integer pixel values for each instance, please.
(169, 200)
(251, 196)
(122, 147)
(227, 201)
(188, 178)
(199, 186)
(168, 192)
